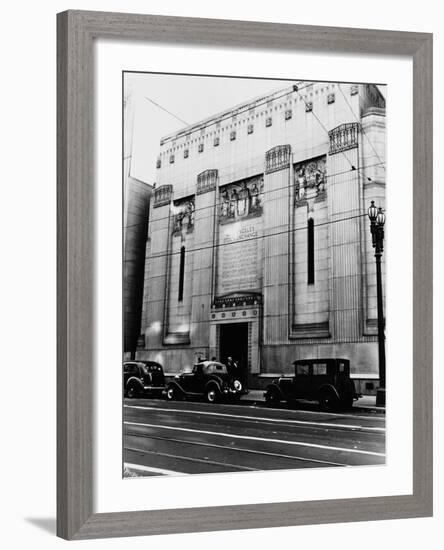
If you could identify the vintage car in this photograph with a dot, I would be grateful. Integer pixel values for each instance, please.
(208, 379)
(143, 378)
(324, 380)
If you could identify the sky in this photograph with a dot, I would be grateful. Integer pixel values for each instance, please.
(190, 98)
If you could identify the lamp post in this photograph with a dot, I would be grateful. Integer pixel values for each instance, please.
(377, 221)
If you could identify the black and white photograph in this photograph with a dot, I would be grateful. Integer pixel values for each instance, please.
(254, 223)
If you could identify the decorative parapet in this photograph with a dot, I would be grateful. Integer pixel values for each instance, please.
(277, 158)
(163, 195)
(343, 137)
(206, 181)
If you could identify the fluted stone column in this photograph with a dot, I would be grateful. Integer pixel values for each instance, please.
(277, 182)
(345, 209)
(204, 227)
(156, 270)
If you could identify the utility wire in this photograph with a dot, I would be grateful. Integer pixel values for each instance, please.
(362, 129)
(242, 110)
(166, 111)
(352, 166)
(218, 245)
(265, 192)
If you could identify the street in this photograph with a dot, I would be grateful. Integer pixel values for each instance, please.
(176, 438)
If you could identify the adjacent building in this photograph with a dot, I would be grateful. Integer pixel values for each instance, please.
(258, 244)
(136, 200)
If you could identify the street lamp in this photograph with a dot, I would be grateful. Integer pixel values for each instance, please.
(377, 221)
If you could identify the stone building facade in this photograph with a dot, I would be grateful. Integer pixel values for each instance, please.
(259, 245)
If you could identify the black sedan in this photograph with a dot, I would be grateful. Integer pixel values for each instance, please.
(210, 380)
(143, 378)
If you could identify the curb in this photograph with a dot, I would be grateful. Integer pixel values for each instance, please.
(359, 408)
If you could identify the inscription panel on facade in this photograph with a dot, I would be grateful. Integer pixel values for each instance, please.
(240, 257)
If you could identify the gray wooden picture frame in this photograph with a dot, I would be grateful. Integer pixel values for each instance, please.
(76, 33)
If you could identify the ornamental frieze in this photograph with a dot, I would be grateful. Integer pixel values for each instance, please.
(277, 158)
(163, 195)
(310, 179)
(343, 137)
(241, 200)
(206, 181)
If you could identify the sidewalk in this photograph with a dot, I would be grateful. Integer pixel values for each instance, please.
(366, 402)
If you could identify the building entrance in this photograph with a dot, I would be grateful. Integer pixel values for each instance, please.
(234, 343)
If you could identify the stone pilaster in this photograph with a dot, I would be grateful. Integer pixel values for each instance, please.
(204, 239)
(277, 187)
(345, 212)
(156, 270)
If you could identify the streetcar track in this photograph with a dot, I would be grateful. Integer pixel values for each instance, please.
(258, 420)
(379, 418)
(192, 459)
(238, 449)
(254, 438)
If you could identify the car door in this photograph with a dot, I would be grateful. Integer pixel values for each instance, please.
(189, 380)
(321, 376)
(301, 384)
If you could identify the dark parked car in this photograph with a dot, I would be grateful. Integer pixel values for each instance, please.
(143, 378)
(209, 379)
(324, 380)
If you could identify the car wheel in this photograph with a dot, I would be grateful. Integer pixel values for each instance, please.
(171, 393)
(212, 395)
(132, 391)
(328, 400)
(271, 399)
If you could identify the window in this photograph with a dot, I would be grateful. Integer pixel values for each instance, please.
(181, 273)
(288, 114)
(200, 147)
(186, 153)
(319, 368)
(232, 135)
(268, 122)
(303, 370)
(158, 163)
(308, 106)
(250, 128)
(171, 159)
(310, 252)
(216, 141)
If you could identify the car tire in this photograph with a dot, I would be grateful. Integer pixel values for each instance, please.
(271, 399)
(172, 393)
(328, 400)
(212, 395)
(132, 391)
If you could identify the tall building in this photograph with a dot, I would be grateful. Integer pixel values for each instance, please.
(259, 246)
(136, 198)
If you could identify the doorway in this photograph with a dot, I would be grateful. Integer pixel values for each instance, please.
(233, 341)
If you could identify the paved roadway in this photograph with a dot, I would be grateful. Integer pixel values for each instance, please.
(182, 437)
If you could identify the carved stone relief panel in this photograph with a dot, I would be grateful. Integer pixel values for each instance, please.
(310, 180)
(183, 221)
(241, 200)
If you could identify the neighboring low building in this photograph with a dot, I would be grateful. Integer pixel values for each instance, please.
(259, 246)
(136, 200)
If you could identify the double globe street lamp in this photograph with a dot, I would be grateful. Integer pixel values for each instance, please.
(377, 221)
